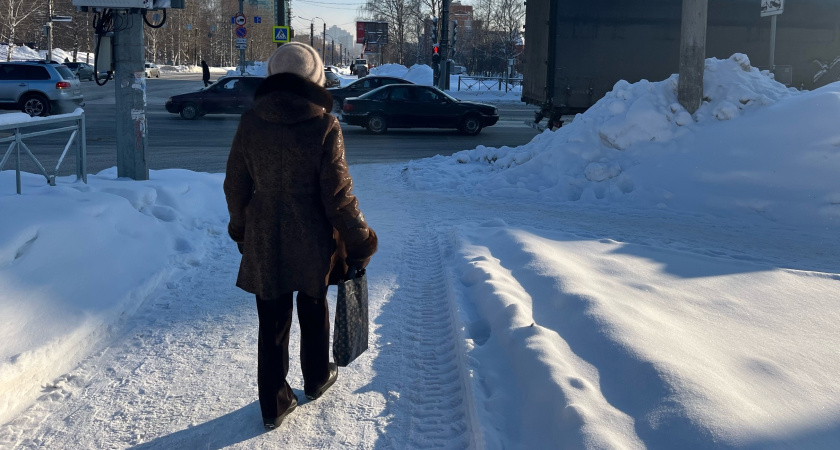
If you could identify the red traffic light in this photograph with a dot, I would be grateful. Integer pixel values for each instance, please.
(436, 49)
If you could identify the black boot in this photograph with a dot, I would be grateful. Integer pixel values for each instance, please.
(315, 393)
(272, 423)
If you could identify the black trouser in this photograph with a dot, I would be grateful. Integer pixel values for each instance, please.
(273, 348)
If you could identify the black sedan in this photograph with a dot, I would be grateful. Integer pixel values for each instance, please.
(228, 95)
(361, 86)
(415, 106)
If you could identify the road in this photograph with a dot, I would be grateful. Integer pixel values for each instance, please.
(203, 144)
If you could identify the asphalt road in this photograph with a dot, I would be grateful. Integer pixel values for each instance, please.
(203, 144)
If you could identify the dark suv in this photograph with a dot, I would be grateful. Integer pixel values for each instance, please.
(39, 88)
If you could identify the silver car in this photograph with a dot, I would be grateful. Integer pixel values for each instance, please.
(39, 88)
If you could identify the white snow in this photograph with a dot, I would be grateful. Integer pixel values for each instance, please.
(638, 278)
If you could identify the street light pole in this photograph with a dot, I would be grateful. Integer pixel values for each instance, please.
(692, 54)
(324, 43)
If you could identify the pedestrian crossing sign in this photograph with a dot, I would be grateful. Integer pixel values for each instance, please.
(281, 34)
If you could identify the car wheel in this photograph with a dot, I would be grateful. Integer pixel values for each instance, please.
(35, 105)
(471, 125)
(189, 111)
(377, 124)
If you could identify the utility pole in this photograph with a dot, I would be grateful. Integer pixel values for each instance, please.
(324, 44)
(130, 86)
(50, 30)
(692, 53)
(312, 34)
(282, 11)
(443, 81)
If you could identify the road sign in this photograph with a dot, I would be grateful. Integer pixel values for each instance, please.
(257, 19)
(61, 19)
(772, 7)
(242, 46)
(241, 32)
(281, 34)
(241, 40)
(239, 19)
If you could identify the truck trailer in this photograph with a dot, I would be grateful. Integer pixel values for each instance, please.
(576, 50)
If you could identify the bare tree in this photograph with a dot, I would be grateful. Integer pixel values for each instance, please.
(401, 16)
(13, 13)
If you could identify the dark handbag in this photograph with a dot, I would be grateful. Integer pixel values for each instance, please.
(351, 319)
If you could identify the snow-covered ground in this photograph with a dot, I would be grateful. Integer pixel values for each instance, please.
(639, 278)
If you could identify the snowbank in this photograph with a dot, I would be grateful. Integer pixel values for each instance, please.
(76, 257)
(753, 147)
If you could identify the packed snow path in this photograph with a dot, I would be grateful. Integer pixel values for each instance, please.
(181, 372)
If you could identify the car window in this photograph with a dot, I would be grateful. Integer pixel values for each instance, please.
(65, 73)
(371, 83)
(377, 94)
(36, 73)
(428, 95)
(331, 76)
(11, 72)
(401, 93)
(230, 85)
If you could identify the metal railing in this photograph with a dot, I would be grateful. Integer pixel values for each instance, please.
(476, 83)
(17, 144)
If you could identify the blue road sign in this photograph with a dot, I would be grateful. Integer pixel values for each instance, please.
(241, 32)
(281, 34)
(257, 19)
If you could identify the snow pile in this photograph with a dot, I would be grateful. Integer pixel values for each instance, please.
(754, 146)
(23, 53)
(76, 257)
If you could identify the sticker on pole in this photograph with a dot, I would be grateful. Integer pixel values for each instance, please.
(772, 7)
(239, 19)
(241, 32)
(281, 34)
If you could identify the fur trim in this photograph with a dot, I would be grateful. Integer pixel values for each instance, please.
(291, 83)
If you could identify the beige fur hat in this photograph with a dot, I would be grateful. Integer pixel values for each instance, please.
(299, 59)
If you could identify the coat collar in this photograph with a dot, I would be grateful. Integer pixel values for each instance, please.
(287, 98)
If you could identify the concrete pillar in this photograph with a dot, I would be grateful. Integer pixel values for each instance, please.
(692, 53)
(130, 87)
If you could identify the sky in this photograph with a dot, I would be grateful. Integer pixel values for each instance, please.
(640, 278)
(341, 14)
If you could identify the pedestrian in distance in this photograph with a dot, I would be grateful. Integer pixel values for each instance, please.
(295, 220)
(205, 73)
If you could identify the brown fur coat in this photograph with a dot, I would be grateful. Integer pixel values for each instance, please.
(289, 193)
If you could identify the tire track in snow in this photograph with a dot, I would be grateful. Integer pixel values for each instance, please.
(439, 407)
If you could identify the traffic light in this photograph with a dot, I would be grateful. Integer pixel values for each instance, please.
(454, 32)
(436, 55)
(434, 29)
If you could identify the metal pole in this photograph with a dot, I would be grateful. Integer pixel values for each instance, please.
(312, 34)
(17, 159)
(692, 54)
(324, 44)
(241, 50)
(130, 87)
(773, 43)
(443, 81)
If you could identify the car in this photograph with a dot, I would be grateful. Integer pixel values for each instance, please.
(331, 78)
(39, 88)
(416, 106)
(359, 87)
(82, 71)
(228, 95)
(152, 70)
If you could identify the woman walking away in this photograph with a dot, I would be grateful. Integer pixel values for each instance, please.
(295, 220)
(205, 73)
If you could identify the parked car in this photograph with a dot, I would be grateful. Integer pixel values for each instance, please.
(39, 88)
(359, 87)
(82, 71)
(152, 70)
(416, 106)
(228, 95)
(332, 79)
